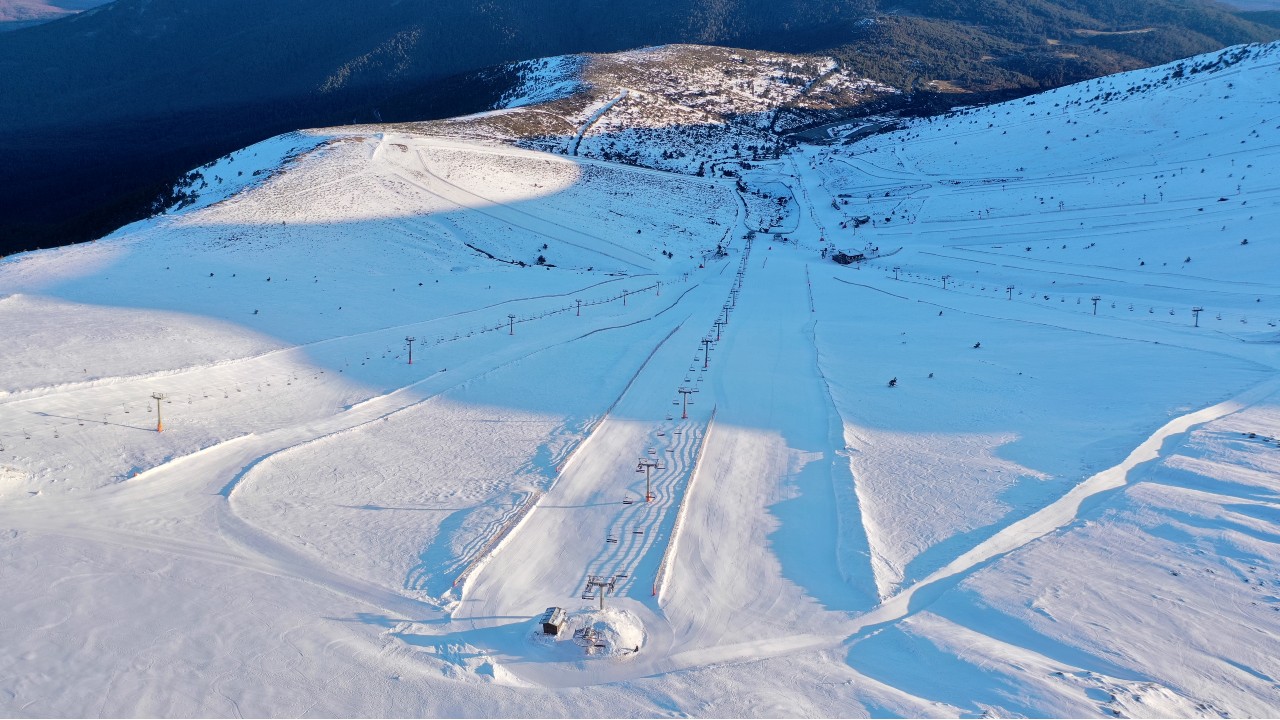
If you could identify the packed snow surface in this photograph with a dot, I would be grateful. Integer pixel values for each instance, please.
(1022, 459)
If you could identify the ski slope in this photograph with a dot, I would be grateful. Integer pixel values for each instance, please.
(1061, 506)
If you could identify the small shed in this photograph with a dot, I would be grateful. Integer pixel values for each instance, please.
(553, 620)
(848, 258)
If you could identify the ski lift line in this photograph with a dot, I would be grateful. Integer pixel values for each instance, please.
(1034, 298)
(518, 519)
(438, 341)
(16, 396)
(1037, 299)
(641, 528)
(1265, 290)
(458, 336)
(809, 286)
(1055, 327)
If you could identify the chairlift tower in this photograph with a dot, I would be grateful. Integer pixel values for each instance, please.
(599, 586)
(1010, 291)
(706, 352)
(1195, 313)
(159, 422)
(409, 341)
(684, 410)
(645, 465)
(1095, 300)
(945, 278)
(511, 324)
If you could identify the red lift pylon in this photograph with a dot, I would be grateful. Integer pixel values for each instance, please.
(684, 410)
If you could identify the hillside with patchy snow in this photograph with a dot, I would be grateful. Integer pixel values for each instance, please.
(332, 434)
(683, 108)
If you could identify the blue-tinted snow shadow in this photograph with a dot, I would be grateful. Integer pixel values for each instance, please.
(386, 621)
(508, 640)
(808, 521)
(912, 664)
(1225, 527)
(438, 564)
(1023, 498)
(1074, 402)
(1179, 477)
(810, 544)
(915, 666)
(820, 541)
(967, 608)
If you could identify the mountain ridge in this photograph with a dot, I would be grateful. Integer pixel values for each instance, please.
(137, 92)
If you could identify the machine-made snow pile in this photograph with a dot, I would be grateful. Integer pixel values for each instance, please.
(592, 633)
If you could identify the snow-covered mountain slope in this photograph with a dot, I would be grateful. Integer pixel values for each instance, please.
(1169, 173)
(1000, 467)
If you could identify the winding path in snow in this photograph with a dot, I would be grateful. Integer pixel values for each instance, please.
(595, 117)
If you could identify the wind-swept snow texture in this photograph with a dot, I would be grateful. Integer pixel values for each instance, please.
(1023, 459)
